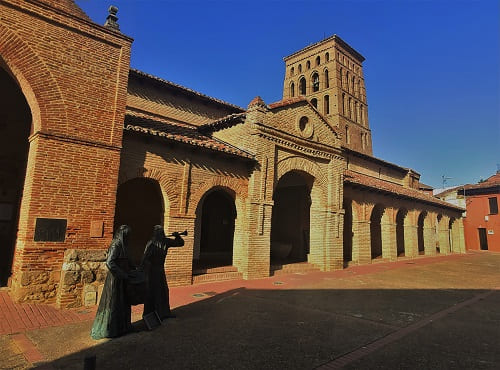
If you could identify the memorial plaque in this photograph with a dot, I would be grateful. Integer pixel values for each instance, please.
(50, 229)
(96, 229)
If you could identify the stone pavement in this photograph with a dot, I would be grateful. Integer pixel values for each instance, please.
(440, 312)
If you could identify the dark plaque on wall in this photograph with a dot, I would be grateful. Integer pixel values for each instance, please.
(50, 229)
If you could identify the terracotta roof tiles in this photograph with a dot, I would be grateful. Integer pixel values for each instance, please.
(181, 133)
(388, 187)
(185, 89)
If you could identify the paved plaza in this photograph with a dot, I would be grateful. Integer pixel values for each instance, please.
(425, 313)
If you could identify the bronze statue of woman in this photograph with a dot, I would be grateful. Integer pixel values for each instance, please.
(113, 317)
(153, 263)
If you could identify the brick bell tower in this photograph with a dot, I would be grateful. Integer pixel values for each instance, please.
(329, 74)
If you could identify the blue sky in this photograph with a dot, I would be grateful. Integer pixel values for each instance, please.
(431, 69)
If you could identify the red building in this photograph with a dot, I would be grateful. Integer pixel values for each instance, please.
(482, 224)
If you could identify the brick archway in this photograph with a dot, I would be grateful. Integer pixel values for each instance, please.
(36, 81)
(238, 192)
(318, 207)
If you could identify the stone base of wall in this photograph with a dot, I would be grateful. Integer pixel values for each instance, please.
(82, 277)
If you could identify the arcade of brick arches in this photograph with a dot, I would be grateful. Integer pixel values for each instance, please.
(87, 143)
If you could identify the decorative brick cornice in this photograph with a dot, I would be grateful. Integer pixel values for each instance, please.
(72, 139)
(307, 147)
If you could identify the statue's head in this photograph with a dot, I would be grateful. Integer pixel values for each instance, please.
(123, 232)
(158, 232)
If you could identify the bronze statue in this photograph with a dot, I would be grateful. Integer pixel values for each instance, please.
(153, 262)
(113, 317)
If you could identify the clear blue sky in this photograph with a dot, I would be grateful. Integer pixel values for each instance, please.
(431, 69)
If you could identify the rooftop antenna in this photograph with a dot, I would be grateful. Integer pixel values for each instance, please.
(444, 179)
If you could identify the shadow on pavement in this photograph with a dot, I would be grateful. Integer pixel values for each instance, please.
(297, 329)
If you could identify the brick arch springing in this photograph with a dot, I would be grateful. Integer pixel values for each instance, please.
(37, 83)
(297, 163)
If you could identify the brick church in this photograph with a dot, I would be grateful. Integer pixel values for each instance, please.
(86, 144)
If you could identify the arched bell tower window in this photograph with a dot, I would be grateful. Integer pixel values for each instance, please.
(327, 57)
(302, 86)
(315, 81)
(327, 81)
(300, 68)
(318, 60)
(308, 65)
(292, 71)
(341, 78)
(292, 89)
(314, 102)
(326, 104)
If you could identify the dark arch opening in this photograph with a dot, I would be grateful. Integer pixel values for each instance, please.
(348, 234)
(315, 82)
(376, 231)
(400, 232)
(15, 126)
(290, 218)
(302, 86)
(420, 232)
(139, 204)
(218, 215)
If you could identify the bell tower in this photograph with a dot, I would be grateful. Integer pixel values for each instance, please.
(329, 74)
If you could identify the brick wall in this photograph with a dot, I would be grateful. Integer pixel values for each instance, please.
(74, 76)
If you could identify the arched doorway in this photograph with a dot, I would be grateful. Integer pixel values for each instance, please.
(376, 231)
(420, 232)
(15, 126)
(347, 231)
(139, 204)
(290, 221)
(218, 215)
(400, 232)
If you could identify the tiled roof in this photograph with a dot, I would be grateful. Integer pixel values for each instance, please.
(285, 102)
(333, 37)
(492, 181)
(388, 187)
(185, 89)
(375, 159)
(224, 122)
(181, 133)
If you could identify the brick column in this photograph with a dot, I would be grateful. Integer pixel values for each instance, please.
(331, 255)
(389, 243)
(430, 240)
(444, 235)
(460, 236)
(361, 248)
(180, 259)
(411, 240)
